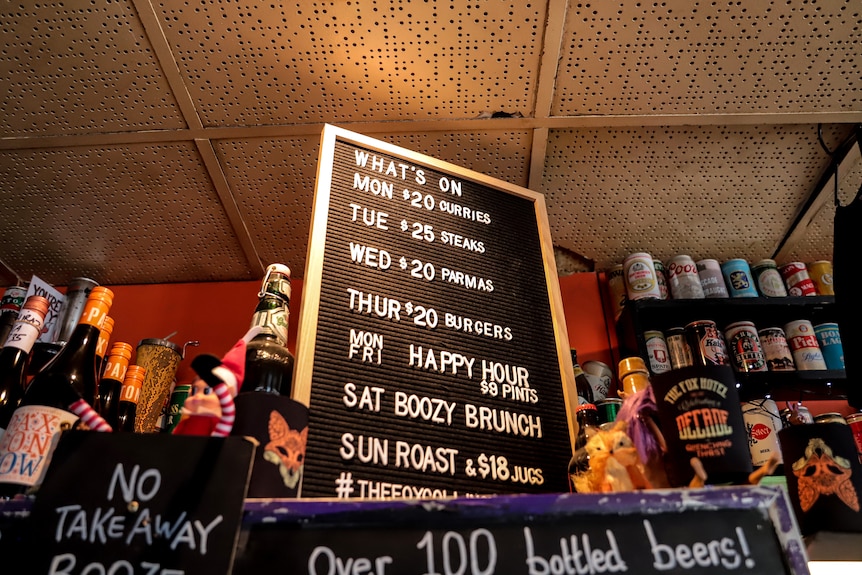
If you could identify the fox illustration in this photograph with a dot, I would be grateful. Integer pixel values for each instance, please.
(286, 449)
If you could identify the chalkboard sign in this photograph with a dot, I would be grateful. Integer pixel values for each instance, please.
(432, 347)
(725, 530)
(139, 503)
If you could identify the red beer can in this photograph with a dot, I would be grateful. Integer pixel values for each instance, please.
(797, 280)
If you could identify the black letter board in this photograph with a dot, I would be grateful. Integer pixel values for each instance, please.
(139, 503)
(432, 346)
(733, 530)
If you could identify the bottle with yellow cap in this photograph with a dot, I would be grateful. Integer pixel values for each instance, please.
(55, 397)
(634, 375)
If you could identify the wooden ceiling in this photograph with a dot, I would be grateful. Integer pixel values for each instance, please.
(176, 141)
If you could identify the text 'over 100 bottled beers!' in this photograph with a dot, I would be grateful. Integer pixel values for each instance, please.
(54, 397)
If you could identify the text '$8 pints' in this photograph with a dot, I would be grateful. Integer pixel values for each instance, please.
(53, 399)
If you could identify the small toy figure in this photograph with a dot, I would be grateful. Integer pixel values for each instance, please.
(209, 408)
(614, 464)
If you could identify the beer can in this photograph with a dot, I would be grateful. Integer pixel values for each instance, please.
(601, 378)
(797, 280)
(829, 340)
(738, 278)
(767, 279)
(677, 348)
(682, 278)
(820, 273)
(608, 409)
(854, 420)
(796, 414)
(775, 349)
(77, 293)
(175, 405)
(640, 278)
(744, 347)
(831, 417)
(659, 361)
(803, 414)
(762, 424)
(803, 344)
(12, 300)
(706, 343)
(617, 289)
(711, 279)
(661, 277)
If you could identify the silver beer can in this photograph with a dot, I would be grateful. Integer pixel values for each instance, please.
(706, 343)
(601, 378)
(661, 277)
(659, 358)
(711, 279)
(775, 349)
(803, 344)
(682, 278)
(678, 348)
(743, 345)
(640, 278)
(762, 423)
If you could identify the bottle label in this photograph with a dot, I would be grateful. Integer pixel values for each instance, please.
(26, 330)
(115, 368)
(29, 441)
(272, 321)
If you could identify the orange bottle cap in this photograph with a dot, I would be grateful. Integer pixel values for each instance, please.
(122, 349)
(37, 303)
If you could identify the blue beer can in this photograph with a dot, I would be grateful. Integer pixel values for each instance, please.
(830, 344)
(737, 276)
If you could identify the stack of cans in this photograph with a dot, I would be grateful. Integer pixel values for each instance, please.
(798, 345)
(642, 276)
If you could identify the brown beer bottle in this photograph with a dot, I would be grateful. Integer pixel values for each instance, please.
(112, 381)
(54, 397)
(15, 355)
(127, 405)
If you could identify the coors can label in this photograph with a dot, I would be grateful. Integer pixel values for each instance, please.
(682, 278)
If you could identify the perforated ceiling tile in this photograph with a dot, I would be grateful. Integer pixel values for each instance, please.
(718, 192)
(132, 214)
(79, 66)
(679, 56)
(502, 155)
(273, 180)
(273, 183)
(253, 63)
(816, 243)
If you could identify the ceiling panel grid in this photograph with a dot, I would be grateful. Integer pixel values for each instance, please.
(684, 57)
(147, 141)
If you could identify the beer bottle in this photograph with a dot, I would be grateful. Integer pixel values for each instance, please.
(585, 390)
(102, 347)
(633, 374)
(268, 361)
(588, 425)
(10, 306)
(15, 354)
(111, 384)
(54, 396)
(127, 405)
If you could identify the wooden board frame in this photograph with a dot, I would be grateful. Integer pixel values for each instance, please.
(313, 279)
